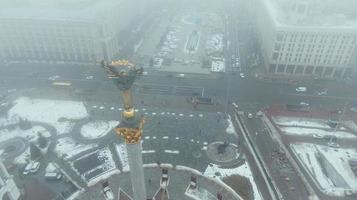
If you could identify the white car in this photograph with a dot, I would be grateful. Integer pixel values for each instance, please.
(301, 89)
(317, 136)
(333, 144)
(53, 176)
(145, 73)
(242, 75)
(108, 193)
(180, 75)
(322, 92)
(35, 167)
(304, 104)
(52, 78)
(235, 105)
(27, 169)
(89, 77)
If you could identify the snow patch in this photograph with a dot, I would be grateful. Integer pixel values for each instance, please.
(243, 170)
(30, 134)
(329, 167)
(123, 156)
(312, 131)
(60, 114)
(97, 129)
(307, 122)
(67, 148)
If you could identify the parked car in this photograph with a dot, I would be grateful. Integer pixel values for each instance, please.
(301, 89)
(242, 75)
(53, 176)
(108, 193)
(35, 167)
(27, 169)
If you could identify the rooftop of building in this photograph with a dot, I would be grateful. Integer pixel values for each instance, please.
(313, 13)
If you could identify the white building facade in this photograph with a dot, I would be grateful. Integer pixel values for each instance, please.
(294, 46)
(50, 34)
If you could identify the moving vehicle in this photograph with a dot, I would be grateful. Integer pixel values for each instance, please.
(333, 144)
(63, 83)
(322, 92)
(318, 136)
(304, 104)
(301, 89)
(180, 75)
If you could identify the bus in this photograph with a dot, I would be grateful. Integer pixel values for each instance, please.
(62, 83)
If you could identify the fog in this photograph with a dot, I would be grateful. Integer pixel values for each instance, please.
(178, 99)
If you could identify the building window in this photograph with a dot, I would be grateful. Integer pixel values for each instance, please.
(338, 73)
(328, 71)
(281, 68)
(272, 68)
(309, 70)
(279, 36)
(290, 69)
(277, 47)
(275, 56)
(299, 69)
(318, 71)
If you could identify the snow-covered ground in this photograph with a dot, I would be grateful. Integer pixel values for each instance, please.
(66, 147)
(31, 134)
(9, 121)
(230, 128)
(23, 158)
(57, 113)
(293, 121)
(243, 170)
(312, 131)
(97, 129)
(123, 156)
(200, 194)
(328, 166)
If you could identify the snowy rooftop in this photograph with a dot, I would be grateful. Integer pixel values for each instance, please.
(323, 14)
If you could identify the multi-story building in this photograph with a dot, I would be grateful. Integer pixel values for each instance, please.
(8, 188)
(63, 30)
(308, 37)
